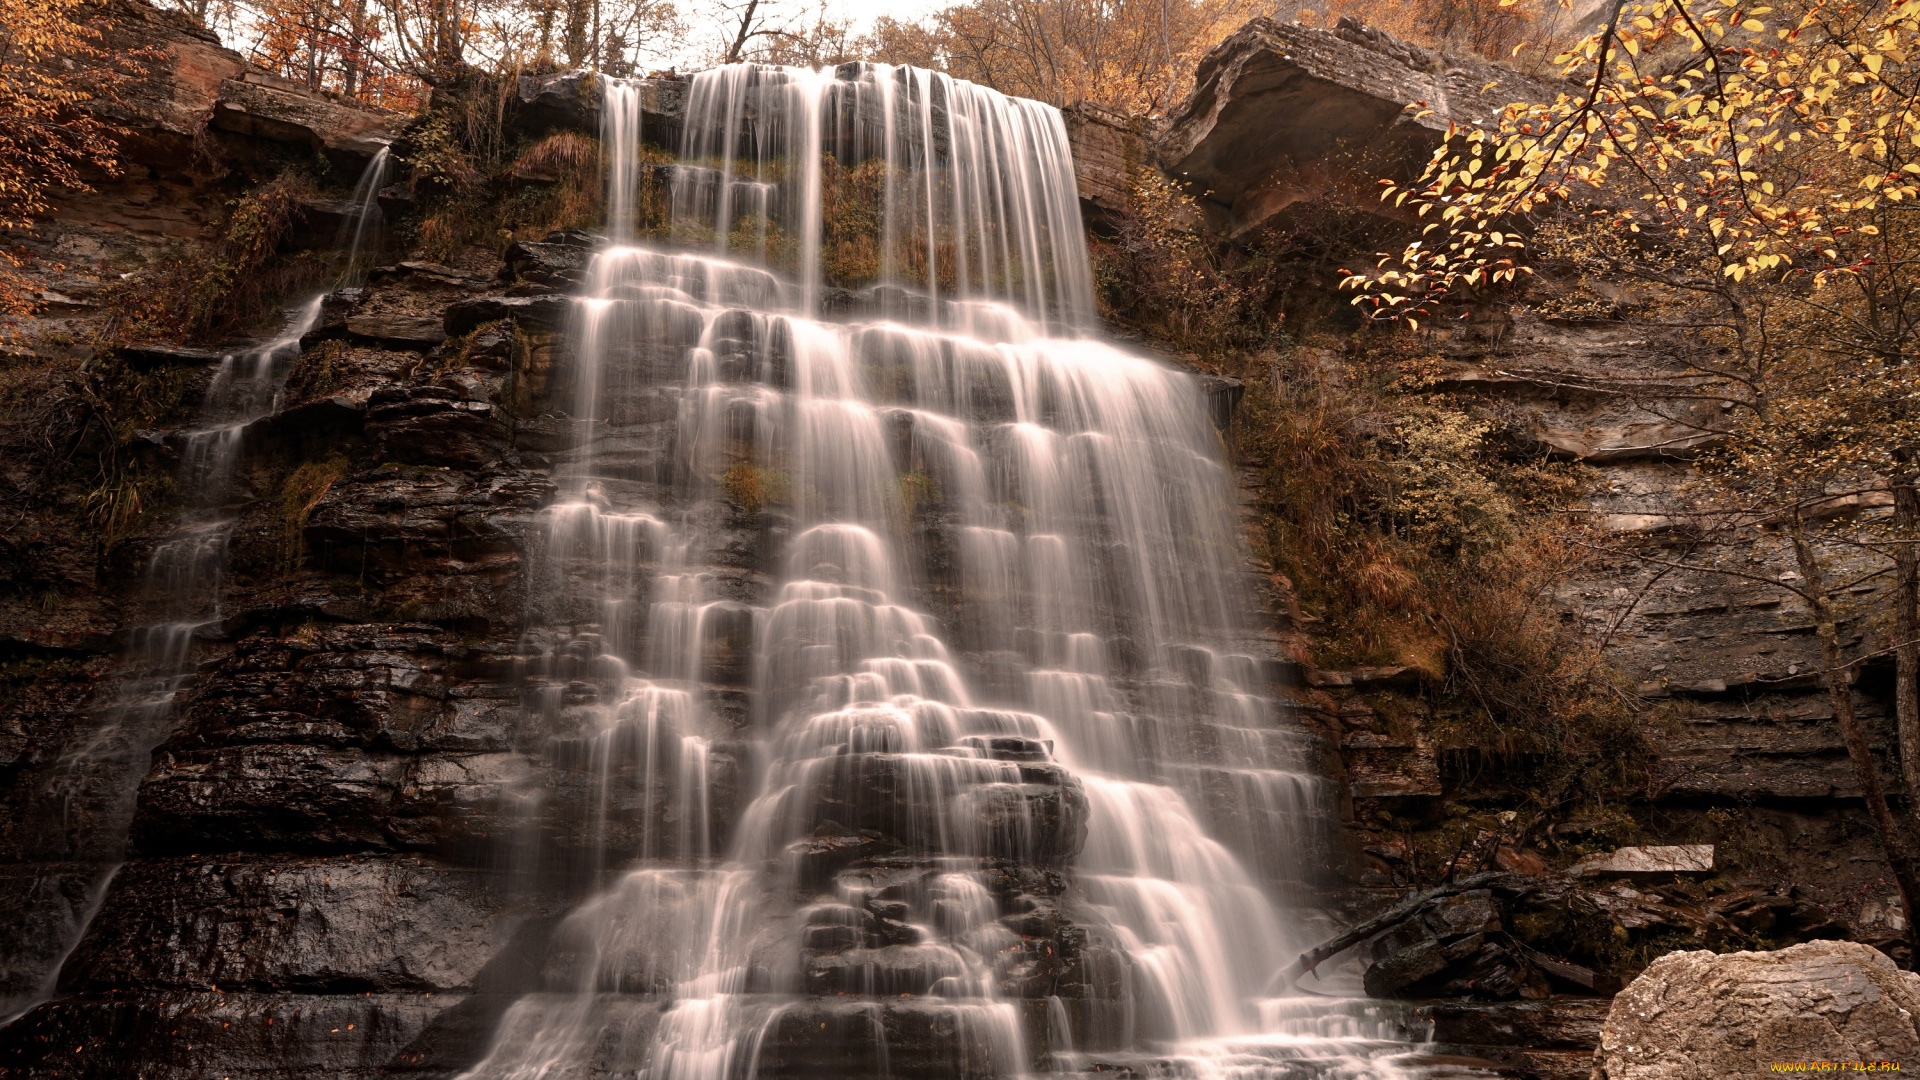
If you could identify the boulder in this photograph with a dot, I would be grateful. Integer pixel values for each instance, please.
(1282, 112)
(561, 264)
(1648, 862)
(1702, 1016)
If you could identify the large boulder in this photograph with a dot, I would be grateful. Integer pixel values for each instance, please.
(1282, 112)
(1702, 1016)
(262, 106)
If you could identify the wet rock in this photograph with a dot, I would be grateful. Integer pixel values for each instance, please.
(1457, 949)
(1108, 145)
(1028, 811)
(436, 425)
(151, 357)
(819, 858)
(1697, 1014)
(416, 272)
(1009, 747)
(395, 521)
(253, 1036)
(42, 908)
(889, 971)
(1524, 934)
(551, 312)
(560, 265)
(1223, 397)
(1548, 1040)
(286, 923)
(397, 331)
(1560, 1024)
(338, 687)
(272, 797)
(318, 223)
(1778, 916)
(880, 302)
(570, 100)
(907, 1039)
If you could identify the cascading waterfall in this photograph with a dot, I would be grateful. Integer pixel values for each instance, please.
(900, 625)
(88, 802)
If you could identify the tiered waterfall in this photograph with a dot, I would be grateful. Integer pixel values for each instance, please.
(901, 628)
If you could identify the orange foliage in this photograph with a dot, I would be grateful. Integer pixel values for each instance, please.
(1133, 55)
(52, 66)
(1482, 26)
(336, 46)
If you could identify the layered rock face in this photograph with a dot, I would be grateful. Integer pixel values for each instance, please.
(1282, 113)
(1746, 755)
(70, 757)
(386, 826)
(674, 671)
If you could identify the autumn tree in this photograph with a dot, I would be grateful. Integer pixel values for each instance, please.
(1134, 55)
(1748, 177)
(54, 69)
(1531, 30)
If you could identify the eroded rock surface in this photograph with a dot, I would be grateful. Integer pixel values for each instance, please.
(1698, 1016)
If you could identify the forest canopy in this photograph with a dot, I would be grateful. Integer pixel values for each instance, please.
(1136, 55)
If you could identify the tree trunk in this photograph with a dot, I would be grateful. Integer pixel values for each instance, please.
(1893, 839)
(746, 29)
(1906, 627)
(574, 37)
(351, 59)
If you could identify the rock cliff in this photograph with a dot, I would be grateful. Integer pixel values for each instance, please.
(311, 879)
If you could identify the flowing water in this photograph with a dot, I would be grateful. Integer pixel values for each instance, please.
(86, 804)
(901, 629)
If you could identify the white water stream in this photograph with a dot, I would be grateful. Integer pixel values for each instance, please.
(995, 594)
(89, 796)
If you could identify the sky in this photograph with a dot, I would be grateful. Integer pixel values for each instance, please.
(863, 12)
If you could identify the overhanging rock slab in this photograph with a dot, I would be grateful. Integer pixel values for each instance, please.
(1282, 112)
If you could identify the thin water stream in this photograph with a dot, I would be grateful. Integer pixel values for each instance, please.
(961, 768)
(86, 803)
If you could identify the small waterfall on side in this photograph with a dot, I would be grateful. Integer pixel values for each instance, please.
(87, 803)
(898, 624)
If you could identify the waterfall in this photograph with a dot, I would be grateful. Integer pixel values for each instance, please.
(86, 803)
(900, 626)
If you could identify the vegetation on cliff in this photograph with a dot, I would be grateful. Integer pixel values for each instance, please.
(1746, 178)
(1410, 526)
